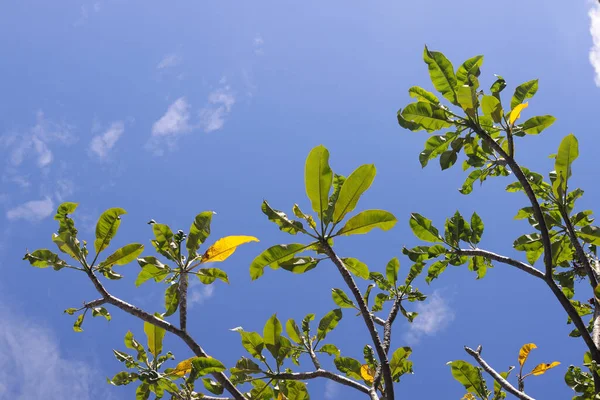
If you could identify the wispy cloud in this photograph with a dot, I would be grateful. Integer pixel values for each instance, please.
(33, 211)
(434, 315)
(178, 119)
(169, 61)
(199, 293)
(212, 117)
(595, 50)
(332, 390)
(175, 121)
(258, 43)
(35, 143)
(103, 143)
(32, 365)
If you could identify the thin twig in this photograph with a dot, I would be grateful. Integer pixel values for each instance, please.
(497, 377)
(320, 373)
(183, 335)
(502, 259)
(381, 353)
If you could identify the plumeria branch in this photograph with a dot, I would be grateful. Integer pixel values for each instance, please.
(321, 373)
(368, 318)
(497, 377)
(144, 316)
(502, 259)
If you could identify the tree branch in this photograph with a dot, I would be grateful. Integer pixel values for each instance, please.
(366, 314)
(320, 373)
(183, 289)
(497, 377)
(502, 259)
(183, 335)
(539, 216)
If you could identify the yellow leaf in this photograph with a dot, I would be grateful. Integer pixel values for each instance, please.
(516, 112)
(280, 396)
(184, 367)
(225, 247)
(542, 368)
(524, 352)
(468, 396)
(366, 373)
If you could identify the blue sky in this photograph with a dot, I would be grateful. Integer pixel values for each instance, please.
(169, 109)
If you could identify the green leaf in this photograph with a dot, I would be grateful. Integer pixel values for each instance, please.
(318, 178)
(330, 349)
(492, 108)
(441, 72)
(413, 126)
(535, 125)
(415, 270)
(357, 267)
(469, 67)
(123, 378)
(299, 265)
(590, 234)
(253, 343)
(142, 392)
(133, 344)
(328, 323)
(523, 92)
(306, 323)
(155, 337)
(207, 365)
(296, 390)
(66, 224)
(423, 95)
(467, 98)
(309, 219)
(281, 219)
(171, 299)
(498, 86)
(292, 331)
(568, 151)
(274, 256)
(427, 116)
(399, 363)
(356, 184)
(101, 311)
(124, 255)
(44, 258)
(423, 229)
(467, 187)
(435, 270)
(272, 335)
(163, 239)
(434, 146)
(448, 158)
(151, 269)
(341, 299)
(338, 182)
(391, 270)
(367, 220)
(469, 376)
(456, 229)
(209, 275)
(107, 227)
(348, 366)
(476, 228)
(199, 232)
(68, 244)
(78, 323)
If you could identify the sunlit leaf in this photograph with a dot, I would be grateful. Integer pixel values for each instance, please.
(524, 352)
(155, 337)
(274, 256)
(540, 369)
(124, 255)
(516, 112)
(568, 151)
(367, 220)
(318, 178)
(199, 232)
(225, 247)
(366, 373)
(107, 227)
(354, 186)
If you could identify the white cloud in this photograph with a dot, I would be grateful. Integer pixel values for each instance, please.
(595, 50)
(198, 295)
(33, 211)
(35, 142)
(434, 316)
(212, 117)
(175, 121)
(258, 43)
(331, 390)
(102, 144)
(32, 365)
(169, 61)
